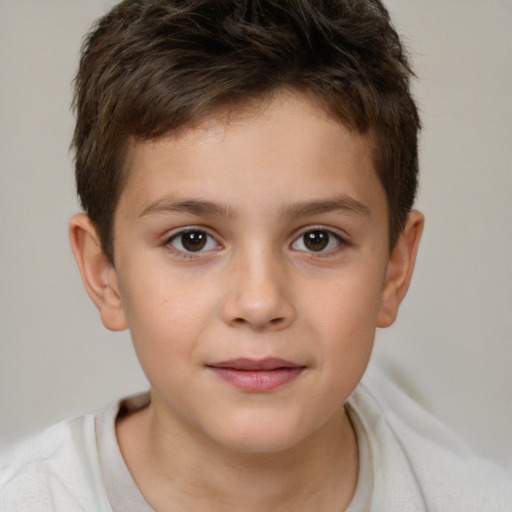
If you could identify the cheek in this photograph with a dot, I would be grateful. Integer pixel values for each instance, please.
(167, 311)
(346, 310)
(349, 302)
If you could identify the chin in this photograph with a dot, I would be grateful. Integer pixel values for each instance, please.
(261, 443)
(257, 434)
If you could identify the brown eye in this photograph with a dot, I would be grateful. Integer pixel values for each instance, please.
(317, 240)
(193, 240)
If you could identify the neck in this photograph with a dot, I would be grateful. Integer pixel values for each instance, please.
(175, 472)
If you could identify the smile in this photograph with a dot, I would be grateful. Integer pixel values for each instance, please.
(257, 376)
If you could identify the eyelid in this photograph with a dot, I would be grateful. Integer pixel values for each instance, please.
(170, 237)
(340, 237)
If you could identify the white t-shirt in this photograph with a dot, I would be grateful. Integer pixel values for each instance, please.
(409, 463)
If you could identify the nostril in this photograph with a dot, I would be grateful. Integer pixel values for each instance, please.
(240, 321)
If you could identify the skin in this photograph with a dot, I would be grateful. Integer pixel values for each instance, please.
(254, 184)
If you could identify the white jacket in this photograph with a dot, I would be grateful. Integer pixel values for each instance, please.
(419, 465)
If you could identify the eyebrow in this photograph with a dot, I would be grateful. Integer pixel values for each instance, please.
(199, 207)
(192, 206)
(341, 203)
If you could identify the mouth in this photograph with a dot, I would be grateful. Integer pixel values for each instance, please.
(257, 375)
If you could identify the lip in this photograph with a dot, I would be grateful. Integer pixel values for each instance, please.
(257, 375)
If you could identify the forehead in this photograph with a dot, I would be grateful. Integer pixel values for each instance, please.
(286, 147)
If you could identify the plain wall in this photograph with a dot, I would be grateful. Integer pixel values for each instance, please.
(451, 347)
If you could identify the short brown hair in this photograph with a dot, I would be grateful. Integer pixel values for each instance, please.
(149, 67)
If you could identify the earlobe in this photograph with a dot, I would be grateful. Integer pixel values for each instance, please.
(98, 275)
(400, 269)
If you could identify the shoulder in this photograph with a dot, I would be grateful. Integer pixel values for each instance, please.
(420, 459)
(56, 470)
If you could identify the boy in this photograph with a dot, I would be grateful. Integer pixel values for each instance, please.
(248, 171)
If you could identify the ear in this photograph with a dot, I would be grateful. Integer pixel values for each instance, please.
(98, 275)
(400, 268)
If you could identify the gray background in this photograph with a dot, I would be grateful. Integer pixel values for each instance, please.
(451, 346)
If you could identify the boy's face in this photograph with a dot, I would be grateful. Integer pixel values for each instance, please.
(251, 259)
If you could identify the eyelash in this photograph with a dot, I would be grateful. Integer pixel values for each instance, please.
(184, 253)
(340, 241)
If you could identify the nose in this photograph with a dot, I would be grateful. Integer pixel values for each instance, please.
(258, 294)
